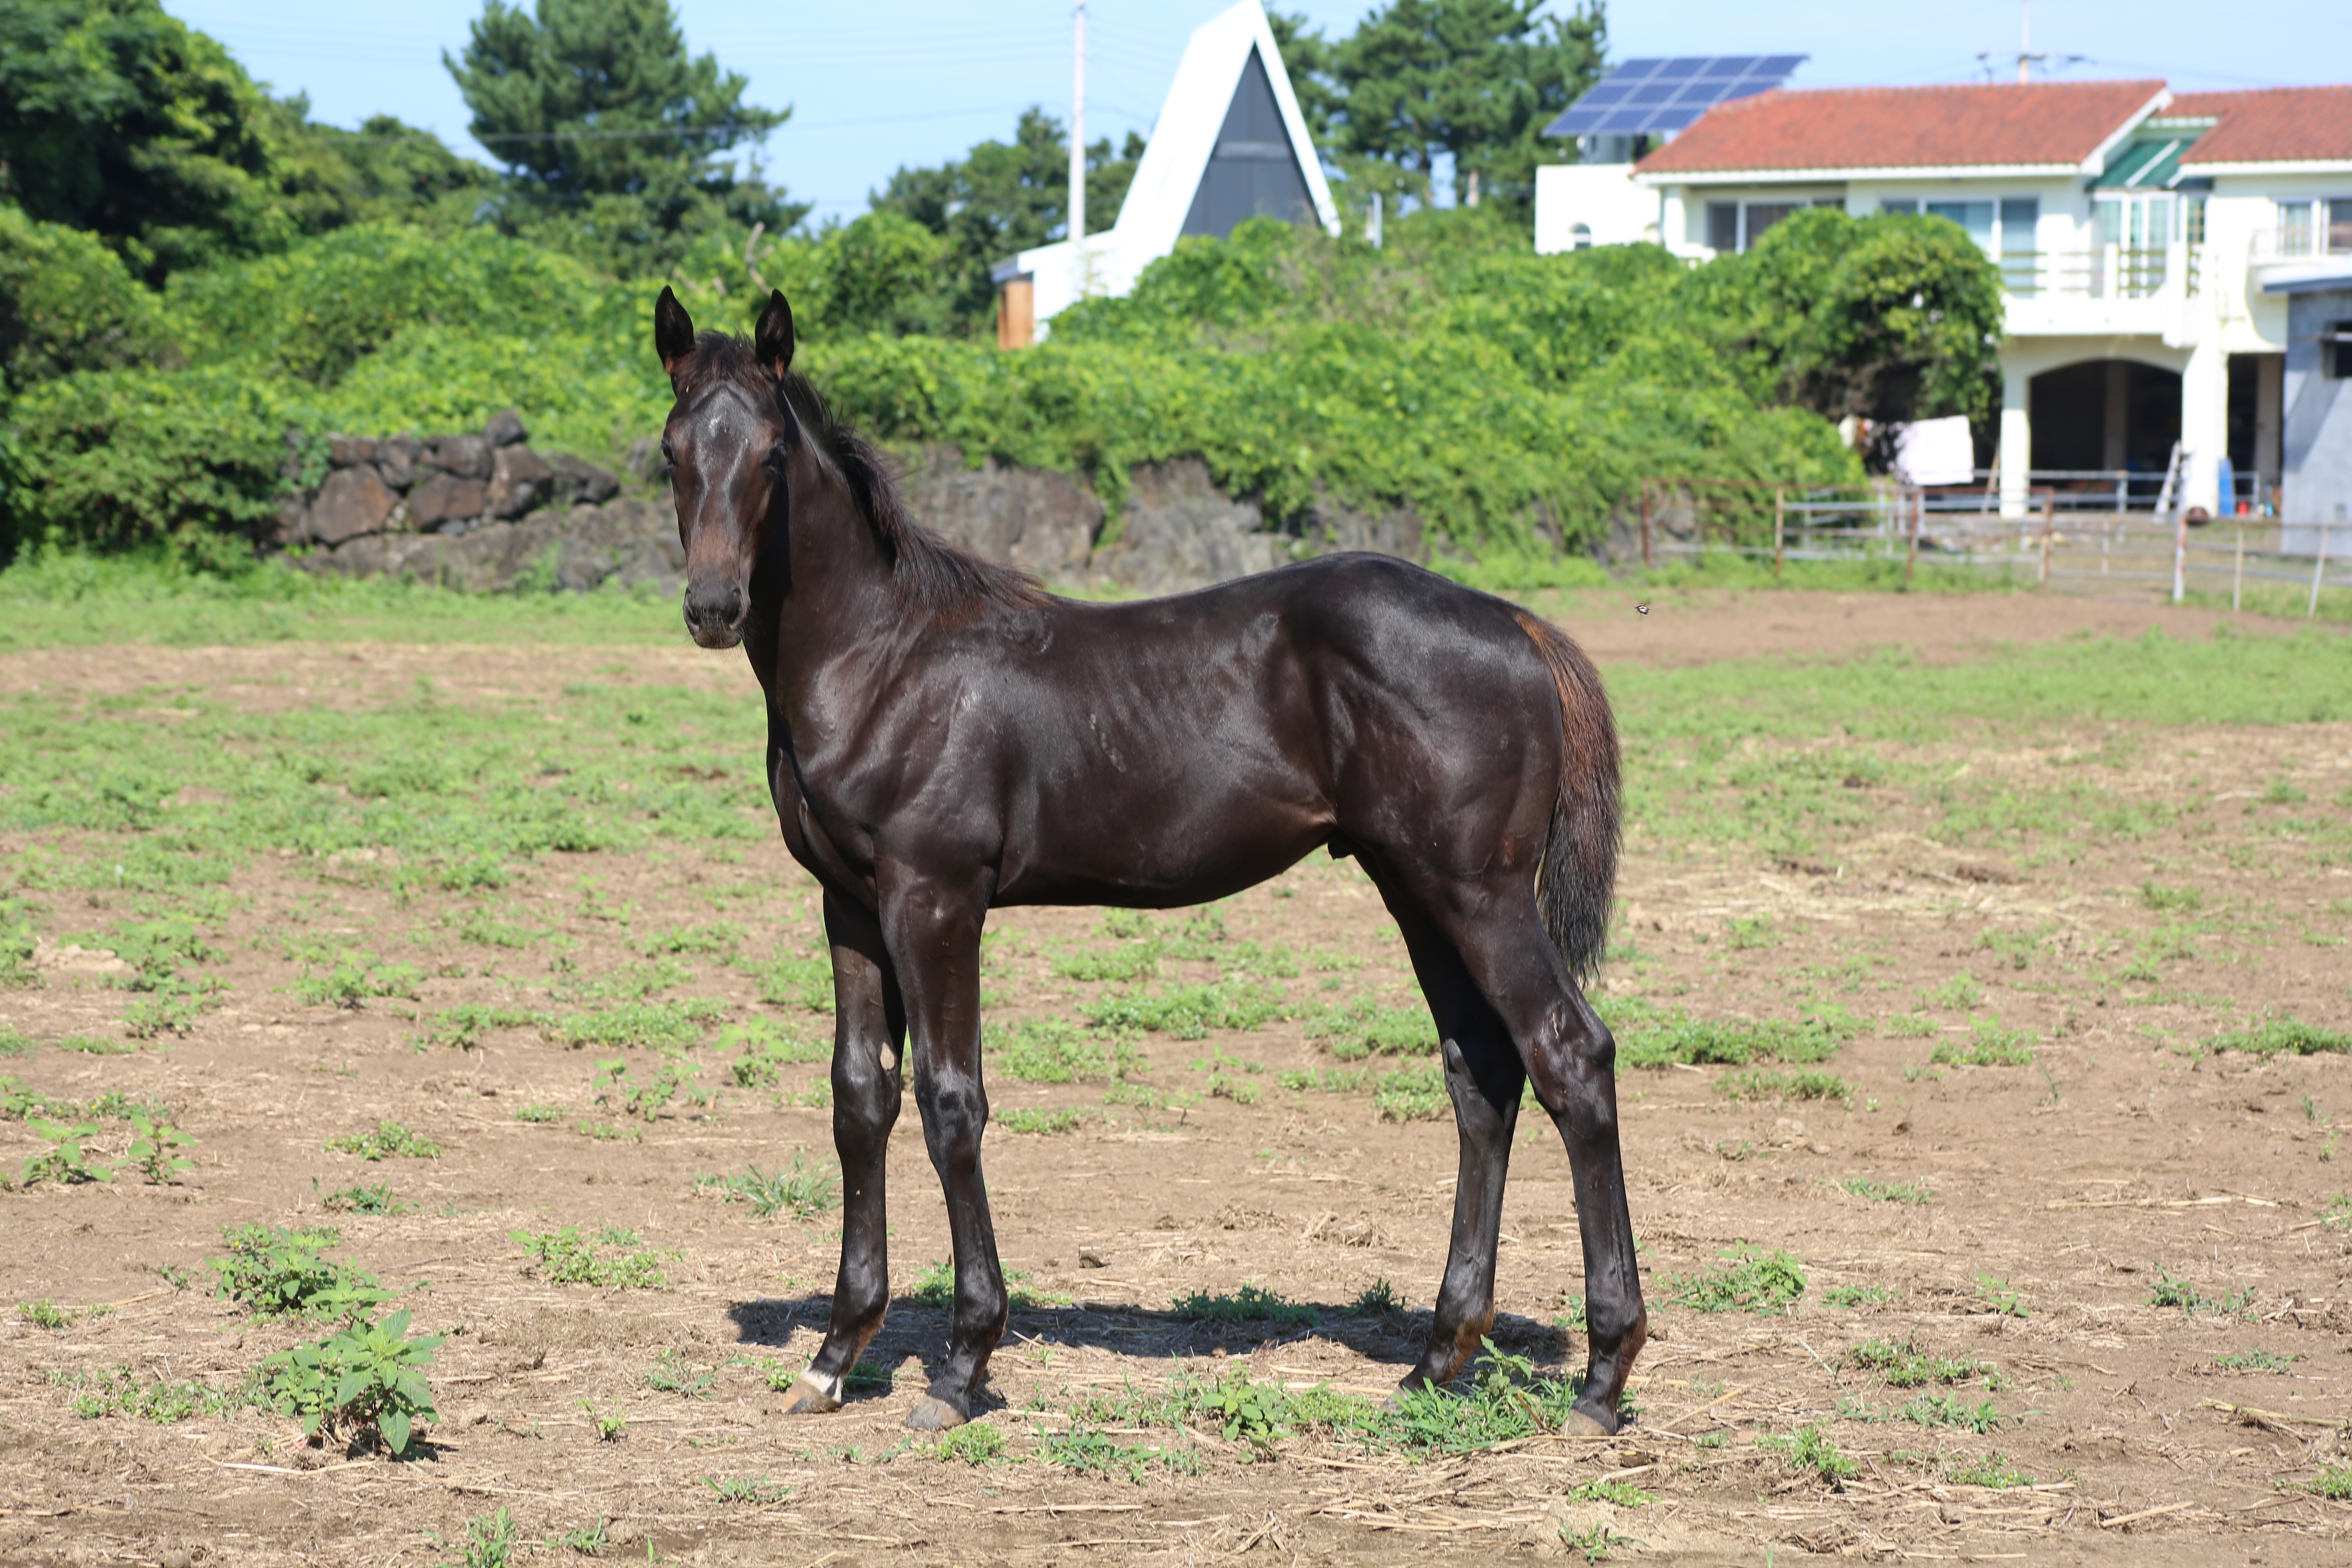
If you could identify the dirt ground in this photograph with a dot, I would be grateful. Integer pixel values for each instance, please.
(2060, 1198)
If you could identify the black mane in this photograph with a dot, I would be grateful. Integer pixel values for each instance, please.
(927, 572)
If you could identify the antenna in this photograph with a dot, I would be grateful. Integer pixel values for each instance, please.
(2025, 56)
(1078, 128)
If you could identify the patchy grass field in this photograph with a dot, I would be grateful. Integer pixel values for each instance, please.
(414, 1035)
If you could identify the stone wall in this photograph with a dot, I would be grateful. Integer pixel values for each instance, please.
(447, 485)
(580, 548)
(1177, 531)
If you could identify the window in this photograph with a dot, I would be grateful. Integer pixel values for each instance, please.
(2295, 228)
(2322, 227)
(2020, 248)
(1974, 216)
(2007, 228)
(1723, 227)
(2020, 217)
(2336, 351)
(1738, 225)
(2136, 222)
(1580, 237)
(1762, 215)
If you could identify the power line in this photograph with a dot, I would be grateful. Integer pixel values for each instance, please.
(707, 130)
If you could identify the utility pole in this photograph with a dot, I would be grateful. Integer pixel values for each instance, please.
(2024, 39)
(1078, 132)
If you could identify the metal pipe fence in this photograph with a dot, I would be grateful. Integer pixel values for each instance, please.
(2101, 489)
(2113, 552)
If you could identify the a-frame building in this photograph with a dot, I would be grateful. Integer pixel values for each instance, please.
(1230, 145)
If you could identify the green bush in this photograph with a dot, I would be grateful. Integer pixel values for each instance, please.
(314, 312)
(121, 459)
(1509, 400)
(68, 303)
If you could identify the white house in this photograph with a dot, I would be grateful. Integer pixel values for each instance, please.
(2177, 267)
(1229, 144)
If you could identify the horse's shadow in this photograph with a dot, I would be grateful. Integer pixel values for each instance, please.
(919, 1328)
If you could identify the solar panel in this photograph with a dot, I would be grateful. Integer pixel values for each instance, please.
(1647, 97)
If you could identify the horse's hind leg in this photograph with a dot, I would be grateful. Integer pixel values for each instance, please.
(870, 1032)
(1571, 1059)
(1483, 1078)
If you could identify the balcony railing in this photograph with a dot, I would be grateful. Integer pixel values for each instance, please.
(2299, 242)
(2104, 272)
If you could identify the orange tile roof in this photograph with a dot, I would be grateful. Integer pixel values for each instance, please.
(2276, 124)
(2044, 124)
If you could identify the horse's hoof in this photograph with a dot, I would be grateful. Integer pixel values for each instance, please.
(934, 1415)
(1581, 1423)
(809, 1397)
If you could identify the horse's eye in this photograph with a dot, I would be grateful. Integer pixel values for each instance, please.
(774, 460)
(669, 453)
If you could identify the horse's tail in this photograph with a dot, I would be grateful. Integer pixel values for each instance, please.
(1579, 870)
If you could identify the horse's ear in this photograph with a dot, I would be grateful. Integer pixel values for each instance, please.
(771, 340)
(673, 332)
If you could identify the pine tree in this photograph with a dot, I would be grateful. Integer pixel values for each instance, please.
(611, 132)
(1475, 78)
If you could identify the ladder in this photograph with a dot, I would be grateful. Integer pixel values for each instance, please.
(2171, 480)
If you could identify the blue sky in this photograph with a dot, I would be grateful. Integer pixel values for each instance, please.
(918, 81)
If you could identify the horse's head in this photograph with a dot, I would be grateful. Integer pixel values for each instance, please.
(728, 440)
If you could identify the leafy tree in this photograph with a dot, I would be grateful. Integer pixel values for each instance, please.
(123, 121)
(1891, 317)
(331, 177)
(118, 119)
(1002, 197)
(611, 131)
(1474, 79)
(883, 273)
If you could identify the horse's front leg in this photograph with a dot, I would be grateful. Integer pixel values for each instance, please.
(870, 1030)
(932, 928)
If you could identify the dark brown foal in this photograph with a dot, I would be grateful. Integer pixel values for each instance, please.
(945, 737)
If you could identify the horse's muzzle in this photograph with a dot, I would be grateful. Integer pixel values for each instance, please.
(715, 615)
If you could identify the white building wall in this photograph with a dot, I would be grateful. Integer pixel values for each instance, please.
(1600, 198)
(1160, 195)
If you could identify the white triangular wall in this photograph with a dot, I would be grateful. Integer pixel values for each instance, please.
(1173, 163)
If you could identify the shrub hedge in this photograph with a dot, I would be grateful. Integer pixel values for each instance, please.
(1511, 400)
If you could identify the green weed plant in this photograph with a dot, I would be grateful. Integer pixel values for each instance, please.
(1749, 1279)
(1251, 1304)
(384, 1141)
(1764, 1083)
(2282, 1035)
(99, 1394)
(367, 1381)
(565, 1257)
(1988, 1046)
(273, 1272)
(1811, 1450)
(803, 1192)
